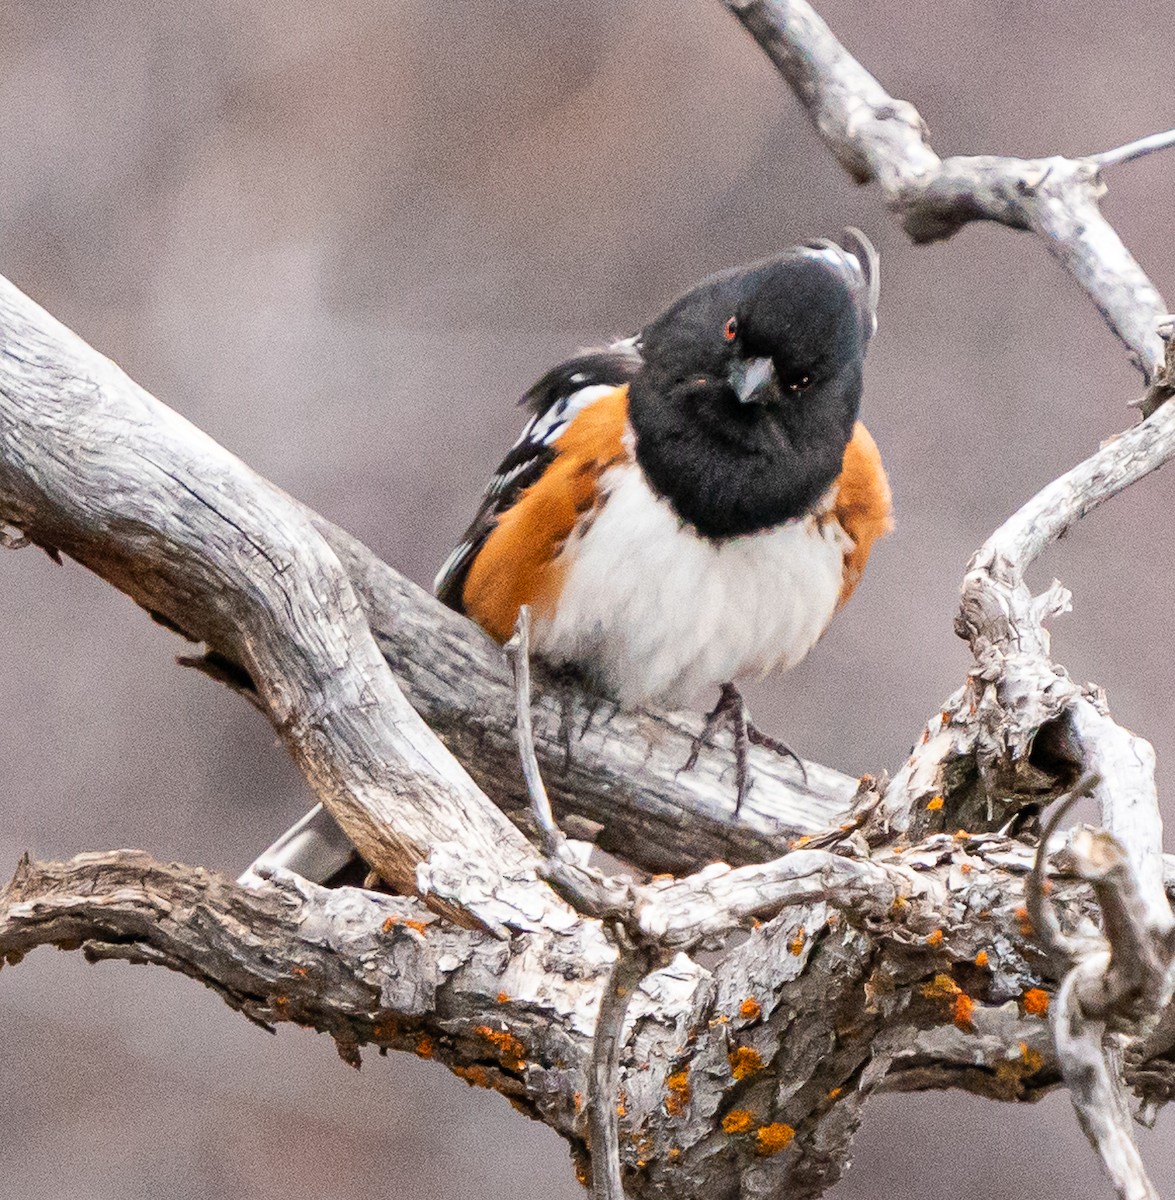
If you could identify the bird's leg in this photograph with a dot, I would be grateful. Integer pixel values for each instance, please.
(732, 709)
(574, 684)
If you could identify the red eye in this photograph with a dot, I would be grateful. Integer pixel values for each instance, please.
(730, 330)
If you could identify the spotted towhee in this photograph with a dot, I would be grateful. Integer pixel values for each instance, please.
(690, 506)
(684, 508)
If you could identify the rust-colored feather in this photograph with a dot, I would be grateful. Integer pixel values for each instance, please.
(863, 504)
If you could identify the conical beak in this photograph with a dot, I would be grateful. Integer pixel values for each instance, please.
(753, 380)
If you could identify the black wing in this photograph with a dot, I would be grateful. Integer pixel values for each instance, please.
(554, 401)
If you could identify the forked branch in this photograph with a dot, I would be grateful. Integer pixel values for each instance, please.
(864, 962)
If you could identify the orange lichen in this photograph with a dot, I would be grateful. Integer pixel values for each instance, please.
(965, 868)
(621, 1109)
(395, 919)
(1011, 1072)
(1036, 1002)
(720, 1019)
(1025, 922)
(665, 877)
(424, 1046)
(750, 1009)
(934, 939)
(738, 1120)
(577, 1100)
(502, 998)
(744, 1061)
(964, 1011)
(679, 1093)
(300, 972)
(280, 1002)
(674, 1153)
(799, 843)
(941, 987)
(833, 1094)
(774, 1137)
(511, 1052)
(899, 902)
(981, 959)
(796, 945)
(1033, 1059)
(474, 1076)
(934, 803)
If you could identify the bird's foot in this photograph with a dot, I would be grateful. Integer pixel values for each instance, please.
(731, 709)
(576, 687)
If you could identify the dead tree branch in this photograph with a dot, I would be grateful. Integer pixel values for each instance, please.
(880, 139)
(895, 949)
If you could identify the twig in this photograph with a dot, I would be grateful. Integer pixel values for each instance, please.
(1121, 461)
(518, 652)
(634, 960)
(1061, 949)
(1095, 1083)
(591, 891)
(879, 138)
(587, 889)
(1135, 983)
(680, 913)
(1132, 150)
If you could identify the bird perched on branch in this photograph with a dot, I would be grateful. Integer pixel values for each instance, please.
(691, 506)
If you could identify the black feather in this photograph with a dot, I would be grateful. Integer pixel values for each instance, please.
(731, 466)
(530, 456)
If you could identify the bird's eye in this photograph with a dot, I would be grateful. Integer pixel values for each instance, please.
(730, 330)
(798, 385)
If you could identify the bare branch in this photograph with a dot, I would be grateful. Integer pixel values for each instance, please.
(702, 1081)
(683, 912)
(95, 467)
(1136, 149)
(881, 139)
(747, 1040)
(1062, 949)
(1092, 1070)
(518, 652)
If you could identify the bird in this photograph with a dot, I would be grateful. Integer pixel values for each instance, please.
(688, 507)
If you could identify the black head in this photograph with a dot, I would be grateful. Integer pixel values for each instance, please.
(751, 384)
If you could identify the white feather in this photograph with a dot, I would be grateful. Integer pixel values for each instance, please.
(660, 613)
(544, 428)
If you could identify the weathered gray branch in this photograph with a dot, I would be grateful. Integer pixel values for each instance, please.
(93, 466)
(868, 962)
(722, 1085)
(878, 138)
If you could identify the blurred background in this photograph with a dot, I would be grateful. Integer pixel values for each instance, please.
(342, 236)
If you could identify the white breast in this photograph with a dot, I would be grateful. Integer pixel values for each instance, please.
(659, 613)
